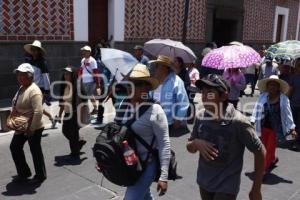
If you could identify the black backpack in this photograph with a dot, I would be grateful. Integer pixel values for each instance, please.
(108, 151)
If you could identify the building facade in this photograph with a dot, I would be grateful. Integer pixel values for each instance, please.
(65, 25)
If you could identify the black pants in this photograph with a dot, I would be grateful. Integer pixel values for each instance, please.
(101, 107)
(70, 130)
(17, 152)
(205, 195)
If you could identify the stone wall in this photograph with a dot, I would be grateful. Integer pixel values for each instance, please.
(59, 55)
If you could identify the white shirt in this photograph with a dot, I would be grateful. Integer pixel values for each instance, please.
(88, 65)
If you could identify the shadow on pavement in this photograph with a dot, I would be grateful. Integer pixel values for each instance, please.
(270, 178)
(68, 160)
(18, 189)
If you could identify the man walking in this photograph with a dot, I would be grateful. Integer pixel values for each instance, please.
(220, 135)
(88, 71)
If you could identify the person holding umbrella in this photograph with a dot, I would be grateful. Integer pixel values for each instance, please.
(171, 92)
(272, 117)
(237, 84)
(268, 68)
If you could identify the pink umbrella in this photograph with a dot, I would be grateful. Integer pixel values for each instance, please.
(234, 56)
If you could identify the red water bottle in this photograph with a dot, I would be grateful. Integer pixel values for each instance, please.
(129, 154)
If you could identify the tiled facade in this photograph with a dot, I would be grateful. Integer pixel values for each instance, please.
(36, 19)
(147, 19)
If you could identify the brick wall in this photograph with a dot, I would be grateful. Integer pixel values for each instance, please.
(147, 19)
(258, 21)
(36, 19)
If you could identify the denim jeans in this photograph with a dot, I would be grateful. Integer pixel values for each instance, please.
(141, 189)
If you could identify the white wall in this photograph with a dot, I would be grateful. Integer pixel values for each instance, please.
(285, 12)
(81, 30)
(116, 19)
(298, 23)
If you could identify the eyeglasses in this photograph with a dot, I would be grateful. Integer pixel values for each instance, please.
(215, 78)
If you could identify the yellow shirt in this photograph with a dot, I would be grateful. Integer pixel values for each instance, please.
(30, 102)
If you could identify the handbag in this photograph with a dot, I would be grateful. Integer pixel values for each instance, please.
(17, 121)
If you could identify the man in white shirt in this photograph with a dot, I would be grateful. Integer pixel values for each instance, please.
(89, 74)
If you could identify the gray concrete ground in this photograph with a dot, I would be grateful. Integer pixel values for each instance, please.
(70, 180)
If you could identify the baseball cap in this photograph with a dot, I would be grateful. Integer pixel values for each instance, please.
(213, 80)
(25, 67)
(86, 48)
(138, 47)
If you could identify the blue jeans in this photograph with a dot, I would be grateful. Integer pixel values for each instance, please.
(141, 189)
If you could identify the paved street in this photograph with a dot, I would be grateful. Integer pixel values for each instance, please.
(69, 180)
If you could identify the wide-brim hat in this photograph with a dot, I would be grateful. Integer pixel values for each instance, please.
(141, 73)
(165, 60)
(37, 44)
(262, 84)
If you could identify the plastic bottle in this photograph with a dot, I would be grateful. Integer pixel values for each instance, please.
(129, 154)
(130, 157)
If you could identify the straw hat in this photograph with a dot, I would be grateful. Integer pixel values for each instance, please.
(141, 73)
(262, 84)
(165, 60)
(37, 44)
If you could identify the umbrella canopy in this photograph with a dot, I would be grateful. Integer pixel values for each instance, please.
(289, 48)
(170, 48)
(119, 63)
(234, 56)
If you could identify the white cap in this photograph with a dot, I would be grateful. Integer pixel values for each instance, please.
(25, 67)
(86, 48)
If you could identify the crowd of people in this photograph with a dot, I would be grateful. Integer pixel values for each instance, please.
(220, 133)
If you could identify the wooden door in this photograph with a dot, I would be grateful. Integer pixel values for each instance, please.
(98, 21)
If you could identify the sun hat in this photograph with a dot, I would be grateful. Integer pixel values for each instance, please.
(86, 48)
(165, 60)
(25, 67)
(262, 84)
(213, 80)
(37, 44)
(141, 73)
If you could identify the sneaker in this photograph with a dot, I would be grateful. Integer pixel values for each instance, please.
(94, 112)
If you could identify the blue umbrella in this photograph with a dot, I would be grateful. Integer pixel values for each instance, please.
(119, 63)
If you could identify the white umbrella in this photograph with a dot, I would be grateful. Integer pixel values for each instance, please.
(119, 63)
(170, 48)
